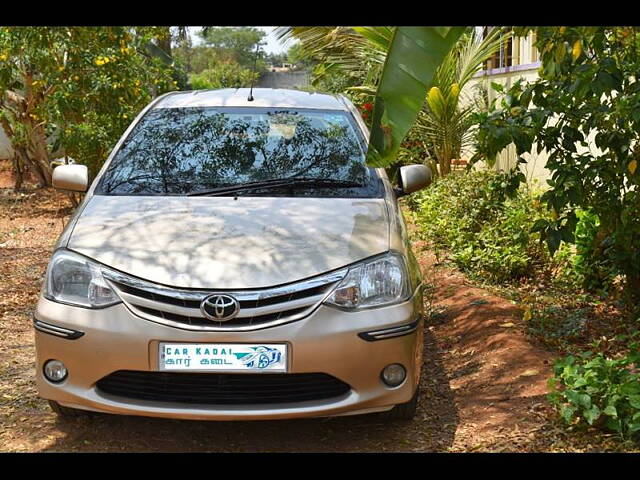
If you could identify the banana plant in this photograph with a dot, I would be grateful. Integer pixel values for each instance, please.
(410, 67)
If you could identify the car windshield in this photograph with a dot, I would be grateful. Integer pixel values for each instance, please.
(187, 151)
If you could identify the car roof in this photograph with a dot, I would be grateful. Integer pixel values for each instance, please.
(262, 97)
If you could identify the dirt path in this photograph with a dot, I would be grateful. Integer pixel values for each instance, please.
(483, 381)
(497, 375)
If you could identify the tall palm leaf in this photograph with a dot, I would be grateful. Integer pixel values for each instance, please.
(356, 52)
(445, 123)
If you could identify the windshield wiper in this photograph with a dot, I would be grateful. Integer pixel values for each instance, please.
(292, 182)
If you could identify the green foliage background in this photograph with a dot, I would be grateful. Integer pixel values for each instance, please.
(224, 75)
(81, 86)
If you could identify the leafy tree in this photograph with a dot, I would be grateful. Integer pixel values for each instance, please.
(226, 60)
(166, 36)
(588, 89)
(161, 47)
(234, 43)
(296, 55)
(72, 91)
(196, 59)
(344, 57)
(410, 67)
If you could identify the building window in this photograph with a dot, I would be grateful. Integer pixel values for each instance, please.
(513, 52)
(503, 57)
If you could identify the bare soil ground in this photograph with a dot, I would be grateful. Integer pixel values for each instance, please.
(483, 380)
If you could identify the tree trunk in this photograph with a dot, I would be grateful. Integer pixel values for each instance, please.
(37, 136)
(74, 199)
(164, 41)
(17, 171)
(34, 151)
(444, 155)
(445, 167)
(40, 153)
(33, 167)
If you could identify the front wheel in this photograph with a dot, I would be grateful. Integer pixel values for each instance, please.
(403, 411)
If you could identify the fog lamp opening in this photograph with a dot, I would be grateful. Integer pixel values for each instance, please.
(393, 375)
(55, 371)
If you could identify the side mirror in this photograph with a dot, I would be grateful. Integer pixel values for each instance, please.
(414, 178)
(71, 177)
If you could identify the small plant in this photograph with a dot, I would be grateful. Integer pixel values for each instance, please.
(595, 390)
(593, 261)
(558, 325)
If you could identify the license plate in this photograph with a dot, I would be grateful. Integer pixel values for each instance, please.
(227, 357)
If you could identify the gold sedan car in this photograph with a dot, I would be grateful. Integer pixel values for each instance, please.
(234, 259)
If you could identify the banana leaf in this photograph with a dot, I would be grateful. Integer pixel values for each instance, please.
(414, 55)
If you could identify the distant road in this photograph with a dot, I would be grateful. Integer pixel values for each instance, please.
(284, 80)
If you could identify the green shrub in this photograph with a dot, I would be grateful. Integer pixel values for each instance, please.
(224, 75)
(593, 262)
(487, 233)
(599, 391)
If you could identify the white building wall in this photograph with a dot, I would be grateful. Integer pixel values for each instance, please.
(6, 152)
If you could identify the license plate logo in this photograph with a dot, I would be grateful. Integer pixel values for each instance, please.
(223, 357)
(261, 357)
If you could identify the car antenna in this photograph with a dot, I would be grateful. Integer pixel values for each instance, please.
(253, 73)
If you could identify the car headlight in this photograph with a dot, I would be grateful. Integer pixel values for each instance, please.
(374, 283)
(76, 280)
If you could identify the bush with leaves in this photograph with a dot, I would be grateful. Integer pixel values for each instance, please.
(596, 390)
(593, 262)
(234, 44)
(484, 221)
(588, 88)
(223, 75)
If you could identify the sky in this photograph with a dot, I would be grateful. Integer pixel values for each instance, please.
(272, 46)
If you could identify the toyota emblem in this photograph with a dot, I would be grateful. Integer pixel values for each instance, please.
(219, 307)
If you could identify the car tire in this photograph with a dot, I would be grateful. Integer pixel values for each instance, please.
(403, 411)
(65, 412)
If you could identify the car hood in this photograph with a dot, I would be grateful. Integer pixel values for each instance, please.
(227, 243)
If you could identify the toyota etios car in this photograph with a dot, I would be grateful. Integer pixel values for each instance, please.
(234, 259)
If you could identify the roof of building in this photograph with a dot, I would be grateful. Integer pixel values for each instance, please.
(262, 97)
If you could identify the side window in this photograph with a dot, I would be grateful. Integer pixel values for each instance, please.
(513, 51)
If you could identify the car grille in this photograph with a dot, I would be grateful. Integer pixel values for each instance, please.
(259, 308)
(223, 388)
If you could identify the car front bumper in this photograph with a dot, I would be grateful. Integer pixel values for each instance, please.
(328, 341)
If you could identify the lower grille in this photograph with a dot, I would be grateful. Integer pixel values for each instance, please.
(223, 388)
